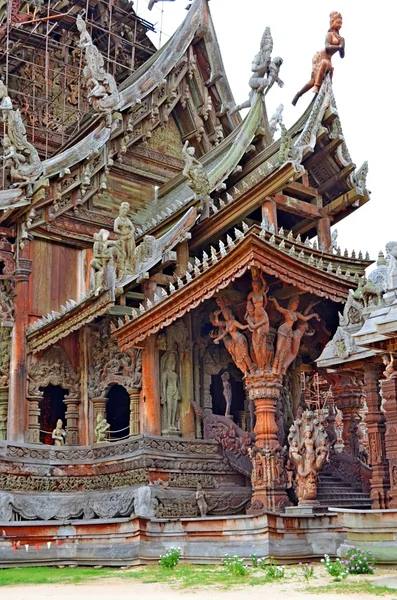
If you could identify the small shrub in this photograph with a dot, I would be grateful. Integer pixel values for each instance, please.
(254, 560)
(359, 562)
(308, 571)
(273, 571)
(336, 569)
(170, 559)
(235, 565)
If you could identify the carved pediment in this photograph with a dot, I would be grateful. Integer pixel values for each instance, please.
(54, 368)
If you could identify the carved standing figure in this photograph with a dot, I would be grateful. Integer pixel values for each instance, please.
(300, 330)
(322, 60)
(390, 363)
(59, 434)
(125, 245)
(227, 392)
(197, 178)
(102, 255)
(284, 332)
(258, 320)
(239, 347)
(101, 429)
(170, 390)
(201, 501)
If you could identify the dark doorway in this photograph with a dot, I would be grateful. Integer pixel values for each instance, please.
(118, 412)
(52, 408)
(218, 400)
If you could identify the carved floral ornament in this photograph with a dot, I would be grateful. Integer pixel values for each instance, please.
(53, 368)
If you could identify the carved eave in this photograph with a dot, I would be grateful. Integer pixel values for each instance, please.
(251, 251)
(62, 325)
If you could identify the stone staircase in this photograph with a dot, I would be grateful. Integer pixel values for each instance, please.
(334, 491)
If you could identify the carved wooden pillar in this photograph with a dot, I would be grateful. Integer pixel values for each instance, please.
(16, 423)
(150, 402)
(348, 391)
(182, 253)
(389, 393)
(3, 412)
(269, 212)
(380, 482)
(324, 234)
(72, 421)
(34, 419)
(269, 487)
(134, 395)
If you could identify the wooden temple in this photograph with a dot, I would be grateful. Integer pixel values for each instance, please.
(178, 331)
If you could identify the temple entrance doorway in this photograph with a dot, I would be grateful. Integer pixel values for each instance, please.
(238, 398)
(118, 412)
(52, 408)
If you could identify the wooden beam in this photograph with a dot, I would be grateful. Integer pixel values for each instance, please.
(343, 202)
(134, 296)
(303, 192)
(297, 207)
(320, 155)
(336, 178)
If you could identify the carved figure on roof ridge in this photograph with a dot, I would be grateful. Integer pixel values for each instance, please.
(197, 178)
(322, 60)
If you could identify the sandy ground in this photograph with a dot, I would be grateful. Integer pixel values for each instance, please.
(121, 590)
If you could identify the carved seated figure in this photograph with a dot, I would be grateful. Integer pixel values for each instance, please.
(59, 434)
(101, 429)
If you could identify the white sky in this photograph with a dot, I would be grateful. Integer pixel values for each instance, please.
(364, 83)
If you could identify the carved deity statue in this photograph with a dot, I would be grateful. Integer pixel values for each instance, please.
(102, 255)
(390, 362)
(258, 320)
(237, 345)
(322, 60)
(300, 330)
(125, 244)
(170, 390)
(197, 178)
(101, 429)
(5, 101)
(308, 450)
(265, 70)
(103, 93)
(227, 392)
(391, 274)
(201, 501)
(59, 434)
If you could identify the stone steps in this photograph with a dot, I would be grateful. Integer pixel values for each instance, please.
(333, 491)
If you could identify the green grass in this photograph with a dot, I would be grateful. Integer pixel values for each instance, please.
(351, 587)
(34, 575)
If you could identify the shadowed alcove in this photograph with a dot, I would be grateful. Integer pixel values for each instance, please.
(52, 408)
(118, 411)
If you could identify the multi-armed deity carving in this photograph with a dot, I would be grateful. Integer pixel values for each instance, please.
(322, 60)
(308, 450)
(21, 157)
(103, 93)
(265, 70)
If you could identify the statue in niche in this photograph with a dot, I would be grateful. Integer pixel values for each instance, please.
(238, 347)
(125, 244)
(300, 330)
(284, 332)
(101, 429)
(59, 434)
(258, 320)
(308, 450)
(170, 390)
(390, 363)
(322, 60)
(201, 501)
(227, 392)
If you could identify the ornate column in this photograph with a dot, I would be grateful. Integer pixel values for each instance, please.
(348, 392)
(324, 234)
(380, 482)
(389, 394)
(72, 421)
(3, 412)
(34, 419)
(16, 424)
(134, 411)
(268, 473)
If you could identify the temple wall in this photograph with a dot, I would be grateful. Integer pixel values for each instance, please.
(206, 540)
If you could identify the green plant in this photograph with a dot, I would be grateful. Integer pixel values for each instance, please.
(254, 560)
(273, 571)
(235, 565)
(336, 569)
(359, 562)
(308, 571)
(171, 558)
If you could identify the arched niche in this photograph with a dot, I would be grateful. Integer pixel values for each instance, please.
(118, 411)
(52, 408)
